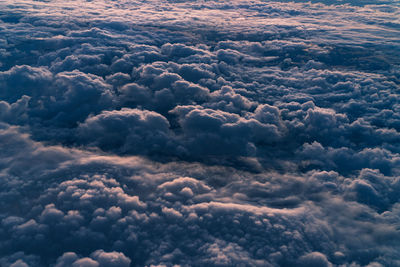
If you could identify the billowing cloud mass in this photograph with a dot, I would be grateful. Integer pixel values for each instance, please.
(199, 133)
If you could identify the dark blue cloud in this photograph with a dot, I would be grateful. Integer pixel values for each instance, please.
(216, 133)
(127, 130)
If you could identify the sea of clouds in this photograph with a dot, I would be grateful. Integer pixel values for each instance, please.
(199, 133)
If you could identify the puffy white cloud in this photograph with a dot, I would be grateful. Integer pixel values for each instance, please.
(314, 259)
(111, 259)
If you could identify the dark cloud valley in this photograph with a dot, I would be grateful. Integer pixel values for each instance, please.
(199, 133)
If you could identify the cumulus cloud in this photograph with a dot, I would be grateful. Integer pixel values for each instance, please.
(221, 133)
(125, 129)
(94, 208)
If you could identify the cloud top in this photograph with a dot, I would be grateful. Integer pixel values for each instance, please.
(220, 133)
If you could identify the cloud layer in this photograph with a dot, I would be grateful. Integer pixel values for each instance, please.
(221, 133)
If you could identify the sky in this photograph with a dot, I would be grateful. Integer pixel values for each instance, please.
(199, 133)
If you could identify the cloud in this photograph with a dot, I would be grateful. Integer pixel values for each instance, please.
(213, 132)
(217, 133)
(24, 80)
(88, 205)
(124, 130)
(314, 259)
